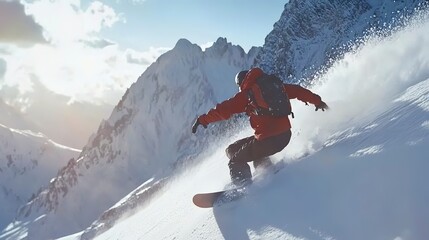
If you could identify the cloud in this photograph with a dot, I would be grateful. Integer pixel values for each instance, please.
(97, 43)
(17, 27)
(81, 72)
(79, 62)
(72, 23)
(144, 58)
(3, 66)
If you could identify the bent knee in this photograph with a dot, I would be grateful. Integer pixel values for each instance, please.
(229, 152)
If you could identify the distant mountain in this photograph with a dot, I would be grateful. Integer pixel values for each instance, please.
(146, 136)
(310, 35)
(28, 160)
(68, 123)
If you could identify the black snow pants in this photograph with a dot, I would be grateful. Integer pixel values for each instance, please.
(250, 149)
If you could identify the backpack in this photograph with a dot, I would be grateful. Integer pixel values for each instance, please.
(267, 97)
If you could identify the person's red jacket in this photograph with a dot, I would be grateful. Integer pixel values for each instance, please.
(264, 126)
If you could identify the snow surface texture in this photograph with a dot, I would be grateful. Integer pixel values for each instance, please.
(365, 176)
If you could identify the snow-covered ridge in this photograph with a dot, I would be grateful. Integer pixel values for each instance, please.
(311, 35)
(30, 133)
(28, 160)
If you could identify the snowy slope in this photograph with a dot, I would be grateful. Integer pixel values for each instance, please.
(28, 160)
(362, 169)
(146, 137)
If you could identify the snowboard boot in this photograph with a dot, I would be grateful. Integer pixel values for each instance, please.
(241, 175)
(264, 165)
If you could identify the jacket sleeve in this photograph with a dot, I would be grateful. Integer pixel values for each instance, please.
(295, 91)
(225, 109)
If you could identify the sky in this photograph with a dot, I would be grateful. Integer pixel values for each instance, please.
(94, 50)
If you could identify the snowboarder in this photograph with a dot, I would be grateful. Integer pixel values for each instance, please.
(271, 130)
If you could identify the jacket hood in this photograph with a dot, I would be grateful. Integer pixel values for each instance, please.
(250, 78)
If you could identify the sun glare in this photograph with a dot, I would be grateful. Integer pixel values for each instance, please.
(77, 62)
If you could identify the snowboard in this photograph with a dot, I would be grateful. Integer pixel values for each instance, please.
(211, 199)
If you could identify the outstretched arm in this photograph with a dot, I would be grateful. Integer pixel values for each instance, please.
(295, 91)
(223, 110)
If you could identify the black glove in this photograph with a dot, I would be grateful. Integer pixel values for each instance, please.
(196, 124)
(322, 105)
